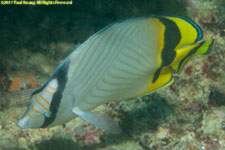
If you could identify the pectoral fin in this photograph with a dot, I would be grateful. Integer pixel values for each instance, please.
(101, 121)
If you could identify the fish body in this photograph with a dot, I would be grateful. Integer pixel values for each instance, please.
(127, 59)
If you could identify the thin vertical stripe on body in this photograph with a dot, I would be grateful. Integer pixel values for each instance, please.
(93, 45)
(99, 65)
(136, 75)
(104, 62)
(133, 48)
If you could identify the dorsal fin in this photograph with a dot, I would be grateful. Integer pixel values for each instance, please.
(189, 31)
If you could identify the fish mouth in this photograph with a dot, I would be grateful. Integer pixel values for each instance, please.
(26, 122)
(22, 123)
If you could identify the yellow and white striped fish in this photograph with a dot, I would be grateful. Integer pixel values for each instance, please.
(127, 59)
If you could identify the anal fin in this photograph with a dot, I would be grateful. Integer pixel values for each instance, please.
(101, 121)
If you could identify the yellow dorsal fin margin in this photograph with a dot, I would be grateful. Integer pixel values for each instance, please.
(189, 31)
(185, 53)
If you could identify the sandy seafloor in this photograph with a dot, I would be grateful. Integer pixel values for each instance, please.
(189, 115)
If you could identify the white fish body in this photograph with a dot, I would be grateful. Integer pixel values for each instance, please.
(124, 60)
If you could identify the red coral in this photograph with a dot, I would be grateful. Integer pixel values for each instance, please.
(188, 70)
(89, 136)
(16, 83)
(207, 70)
(32, 80)
(28, 79)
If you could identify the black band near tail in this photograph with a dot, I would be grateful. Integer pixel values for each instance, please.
(172, 37)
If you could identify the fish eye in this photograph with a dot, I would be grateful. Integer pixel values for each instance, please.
(47, 114)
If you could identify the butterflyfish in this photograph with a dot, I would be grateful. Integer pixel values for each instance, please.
(124, 60)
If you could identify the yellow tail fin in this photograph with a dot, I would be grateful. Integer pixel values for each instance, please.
(185, 53)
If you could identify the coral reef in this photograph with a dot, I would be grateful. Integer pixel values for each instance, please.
(188, 115)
